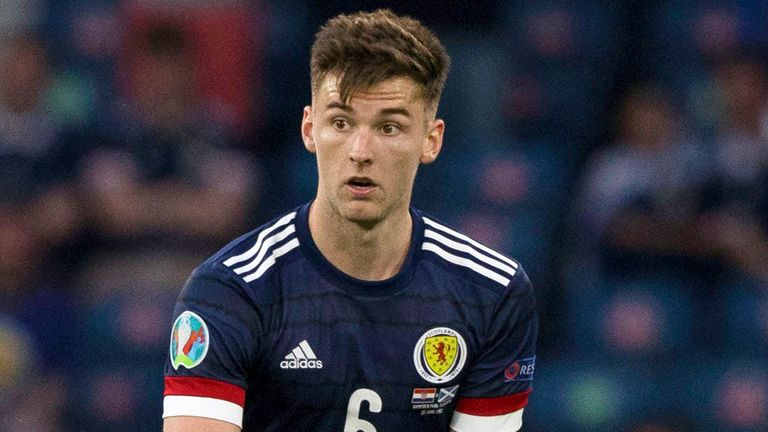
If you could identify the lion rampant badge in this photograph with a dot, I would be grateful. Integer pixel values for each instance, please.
(440, 355)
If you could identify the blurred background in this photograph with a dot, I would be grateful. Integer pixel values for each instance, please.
(619, 150)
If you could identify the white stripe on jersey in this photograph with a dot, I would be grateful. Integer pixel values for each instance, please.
(268, 243)
(308, 350)
(511, 422)
(299, 354)
(302, 352)
(270, 261)
(464, 262)
(470, 250)
(255, 249)
(195, 406)
(482, 247)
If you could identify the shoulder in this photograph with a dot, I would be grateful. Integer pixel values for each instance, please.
(470, 260)
(246, 259)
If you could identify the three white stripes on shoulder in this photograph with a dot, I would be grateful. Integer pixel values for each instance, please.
(484, 260)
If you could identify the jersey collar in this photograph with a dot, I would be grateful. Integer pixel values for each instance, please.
(351, 284)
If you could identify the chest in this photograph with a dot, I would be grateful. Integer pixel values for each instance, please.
(404, 356)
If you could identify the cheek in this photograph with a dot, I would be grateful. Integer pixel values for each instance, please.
(323, 160)
(403, 167)
(329, 159)
(330, 143)
(326, 135)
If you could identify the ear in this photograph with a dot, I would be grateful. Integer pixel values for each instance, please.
(307, 125)
(433, 141)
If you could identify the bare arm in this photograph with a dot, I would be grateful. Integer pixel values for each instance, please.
(120, 204)
(198, 424)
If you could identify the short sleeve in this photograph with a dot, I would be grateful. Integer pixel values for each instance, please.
(214, 340)
(497, 386)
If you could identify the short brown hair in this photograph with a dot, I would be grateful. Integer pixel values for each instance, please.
(366, 48)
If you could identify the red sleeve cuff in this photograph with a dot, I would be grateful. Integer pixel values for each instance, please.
(204, 387)
(493, 406)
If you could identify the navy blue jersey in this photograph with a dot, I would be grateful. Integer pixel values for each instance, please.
(270, 336)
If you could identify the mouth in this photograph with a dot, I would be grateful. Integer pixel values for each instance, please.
(361, 182)
(360, 186)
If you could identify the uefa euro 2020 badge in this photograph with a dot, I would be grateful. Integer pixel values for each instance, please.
(189, 340)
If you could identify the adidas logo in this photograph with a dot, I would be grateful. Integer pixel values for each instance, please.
(302, 357)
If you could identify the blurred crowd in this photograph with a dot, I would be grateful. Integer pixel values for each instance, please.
(619, 151)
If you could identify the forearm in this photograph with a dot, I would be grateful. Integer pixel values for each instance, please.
(642, 233)
(207, 212)
(170, 209)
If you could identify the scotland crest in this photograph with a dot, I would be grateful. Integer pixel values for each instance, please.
(439, 355)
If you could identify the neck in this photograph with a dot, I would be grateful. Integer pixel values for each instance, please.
(368, 251)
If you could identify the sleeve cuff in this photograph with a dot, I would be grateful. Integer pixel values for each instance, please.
(203, 397)
(502, 423)
(194, 406)
(493, 406)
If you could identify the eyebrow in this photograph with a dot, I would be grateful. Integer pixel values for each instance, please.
(386, 111)
(392, 111)
(339, 105)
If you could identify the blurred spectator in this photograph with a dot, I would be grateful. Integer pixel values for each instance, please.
(638, 204)
(171, 174)
(18, 16)
(741, 399)
(38, 213)
(33, 394)
(736, 206)
(37, 206)
(165, 190)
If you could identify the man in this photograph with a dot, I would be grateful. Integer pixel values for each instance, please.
(356, 312)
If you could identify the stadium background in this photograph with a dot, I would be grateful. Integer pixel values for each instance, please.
(617, 149)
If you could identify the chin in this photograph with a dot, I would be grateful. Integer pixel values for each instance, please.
(361, 212)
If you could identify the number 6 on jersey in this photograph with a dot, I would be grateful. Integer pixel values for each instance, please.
(354, 423)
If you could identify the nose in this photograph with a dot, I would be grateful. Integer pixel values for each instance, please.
(361, 150)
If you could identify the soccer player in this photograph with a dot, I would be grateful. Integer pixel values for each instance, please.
(356, 312)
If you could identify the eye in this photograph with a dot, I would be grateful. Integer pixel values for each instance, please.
(340, 124)
(390, 129)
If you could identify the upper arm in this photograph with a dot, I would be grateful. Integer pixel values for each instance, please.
(214, 341)
(187, 423)
(496, 389)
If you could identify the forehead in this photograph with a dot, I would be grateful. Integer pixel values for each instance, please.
(390, 91)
